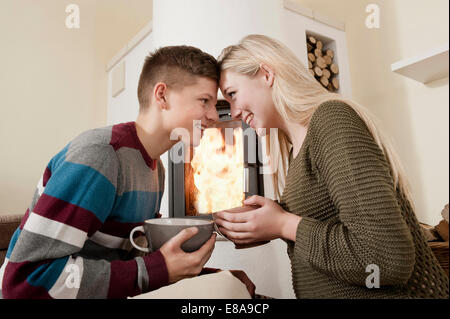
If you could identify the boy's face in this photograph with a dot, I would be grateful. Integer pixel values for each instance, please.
(196, 102)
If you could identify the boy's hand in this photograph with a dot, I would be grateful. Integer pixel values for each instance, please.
(180, 264)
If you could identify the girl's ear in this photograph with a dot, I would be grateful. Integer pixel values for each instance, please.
(159, 94)
(268, 74)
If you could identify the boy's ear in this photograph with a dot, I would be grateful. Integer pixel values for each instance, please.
(268, 73)
(159, 94)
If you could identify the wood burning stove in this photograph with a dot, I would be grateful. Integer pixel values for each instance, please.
(219, 173)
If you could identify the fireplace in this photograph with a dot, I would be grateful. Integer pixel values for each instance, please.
(217, 174)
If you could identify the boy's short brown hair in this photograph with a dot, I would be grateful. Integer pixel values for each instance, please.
(177, 67)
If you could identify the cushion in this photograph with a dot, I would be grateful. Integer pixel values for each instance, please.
(8, 225)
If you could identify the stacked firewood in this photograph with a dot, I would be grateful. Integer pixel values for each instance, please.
(320, 64)
(440, 231)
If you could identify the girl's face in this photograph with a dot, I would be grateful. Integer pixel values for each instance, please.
(250, 99)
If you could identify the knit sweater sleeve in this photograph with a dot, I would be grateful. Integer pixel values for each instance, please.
(75, 197)
(369, 229)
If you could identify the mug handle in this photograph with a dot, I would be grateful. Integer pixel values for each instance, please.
(135, 229)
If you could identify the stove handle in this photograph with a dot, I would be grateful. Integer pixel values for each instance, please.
(246, 180)
(250, 180)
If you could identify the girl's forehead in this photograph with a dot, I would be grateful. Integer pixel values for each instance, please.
(224, 79)
(231, 77)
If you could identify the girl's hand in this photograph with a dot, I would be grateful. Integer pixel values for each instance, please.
(259, 220)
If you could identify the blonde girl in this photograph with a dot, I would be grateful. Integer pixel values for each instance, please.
(345, 208)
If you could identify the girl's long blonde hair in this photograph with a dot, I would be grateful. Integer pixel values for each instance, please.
(296, 95)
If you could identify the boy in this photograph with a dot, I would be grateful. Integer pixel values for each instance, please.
(73, 240)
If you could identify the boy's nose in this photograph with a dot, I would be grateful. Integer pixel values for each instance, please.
(212, 115)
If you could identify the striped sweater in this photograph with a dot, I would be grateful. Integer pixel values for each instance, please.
(356, 226)
(73, 240)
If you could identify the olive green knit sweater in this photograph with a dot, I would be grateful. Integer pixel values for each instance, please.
(352, 217)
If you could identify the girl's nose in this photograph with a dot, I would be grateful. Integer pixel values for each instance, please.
(236, 112)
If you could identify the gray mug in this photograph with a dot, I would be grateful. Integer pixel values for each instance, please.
(159, 230)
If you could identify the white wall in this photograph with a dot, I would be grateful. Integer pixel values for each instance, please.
(212, 25)
(53, 82)
(48, 79)
(125, 106)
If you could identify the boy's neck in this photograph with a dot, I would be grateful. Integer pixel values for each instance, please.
(152, 134)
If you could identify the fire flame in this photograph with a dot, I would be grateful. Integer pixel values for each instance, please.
(218, 171)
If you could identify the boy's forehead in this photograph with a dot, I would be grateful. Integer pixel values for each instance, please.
(203, 85)
(206, 81)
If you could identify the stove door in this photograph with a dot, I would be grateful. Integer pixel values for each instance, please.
(180, 177)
